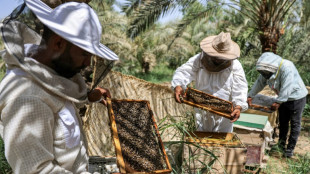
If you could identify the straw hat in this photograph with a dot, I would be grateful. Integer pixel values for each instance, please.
(220, 46)
(76, 22)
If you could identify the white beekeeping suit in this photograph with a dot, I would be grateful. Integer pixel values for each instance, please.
(228, 84)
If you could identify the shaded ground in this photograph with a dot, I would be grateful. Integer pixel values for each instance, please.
(278, 164)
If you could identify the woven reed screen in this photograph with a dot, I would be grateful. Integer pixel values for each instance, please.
(96, 120)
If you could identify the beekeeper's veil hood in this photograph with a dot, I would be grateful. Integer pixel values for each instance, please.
(268, 61)
(75, 22)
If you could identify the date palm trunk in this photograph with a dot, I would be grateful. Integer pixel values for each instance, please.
(269, 39)
(268, 27)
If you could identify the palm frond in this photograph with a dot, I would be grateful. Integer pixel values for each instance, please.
(284, 9)
(245, 10)
(193, 16)
(147, 14)
(305, 14)
(150, 11)
(130, 6)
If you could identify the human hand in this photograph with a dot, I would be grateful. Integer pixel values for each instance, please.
(235, 114)
(178, 91)
(99, 95)
(275, 106)
(249, 100)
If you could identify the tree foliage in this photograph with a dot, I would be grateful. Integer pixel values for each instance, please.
(267, 16)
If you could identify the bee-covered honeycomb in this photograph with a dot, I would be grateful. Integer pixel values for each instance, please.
(140, 146)
(207, 100)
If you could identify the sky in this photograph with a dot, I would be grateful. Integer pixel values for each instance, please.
(7, 6)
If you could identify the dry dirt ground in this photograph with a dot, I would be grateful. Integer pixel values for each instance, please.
(278, 164)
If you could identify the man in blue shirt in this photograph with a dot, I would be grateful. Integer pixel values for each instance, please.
(283, 78)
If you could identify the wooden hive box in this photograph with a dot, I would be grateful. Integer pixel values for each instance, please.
(138, 146)
(255, 143)
(250, 130)
(202, 148)
(199, 99)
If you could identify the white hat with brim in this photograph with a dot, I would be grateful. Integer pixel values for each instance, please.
(75, 22)
(220, 46)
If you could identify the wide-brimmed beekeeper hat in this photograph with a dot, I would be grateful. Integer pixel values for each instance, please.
(76, 22)
(220, 46)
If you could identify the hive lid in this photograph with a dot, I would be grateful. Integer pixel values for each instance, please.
(252, 120)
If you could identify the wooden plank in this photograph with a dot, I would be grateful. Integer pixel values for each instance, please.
(162, 171)
(213, 139)
(218, 135)
(213, 142)
(128, 100)
(117, 144)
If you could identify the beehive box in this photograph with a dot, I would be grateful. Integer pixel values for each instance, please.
(255, 143)
(138, 146)
(224, 150)
(199, 99)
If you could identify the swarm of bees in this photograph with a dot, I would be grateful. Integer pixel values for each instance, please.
(139, 144)
(207, 100)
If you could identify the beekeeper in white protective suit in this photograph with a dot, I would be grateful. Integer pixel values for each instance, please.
(215, 71)
(40, 93)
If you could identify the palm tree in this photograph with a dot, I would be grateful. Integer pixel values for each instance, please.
(305, 15)
(266, 15)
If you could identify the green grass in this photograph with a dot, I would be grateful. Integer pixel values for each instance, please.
(182, 126)
(299, 165)
(4, 165)
(306, 112)
(159, 74)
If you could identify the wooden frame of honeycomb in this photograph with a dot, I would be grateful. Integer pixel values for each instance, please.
(199, 99)
(138, 146)
(261, 108)
(214, 139)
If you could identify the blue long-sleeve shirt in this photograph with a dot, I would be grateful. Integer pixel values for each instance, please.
(285, 81)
